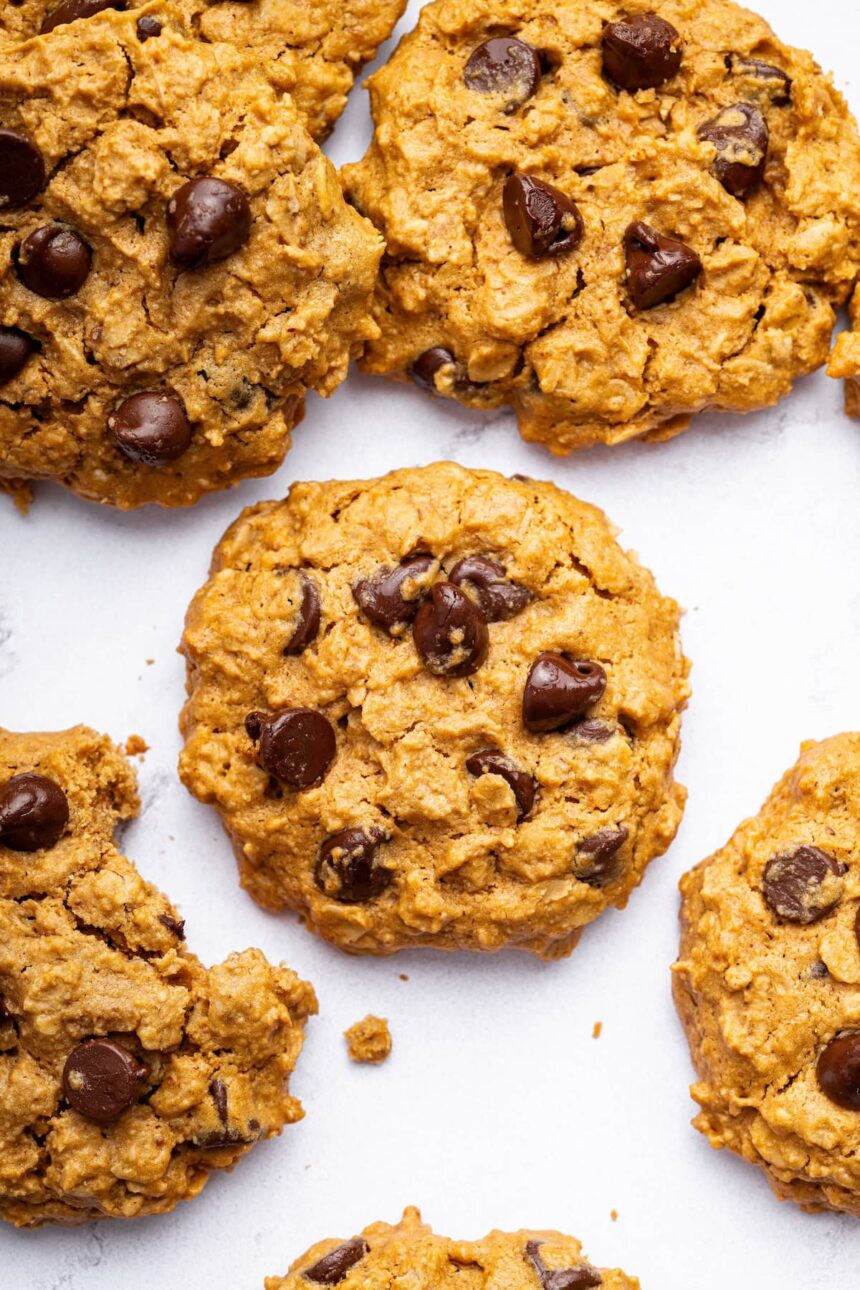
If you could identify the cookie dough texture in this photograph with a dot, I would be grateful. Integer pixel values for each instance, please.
(760, 996)
(410, 1253)
(845, 363)
(558, 338)
(464, 871)
(312, 50)
(369, 1040)
(89, 949)
(122, 126)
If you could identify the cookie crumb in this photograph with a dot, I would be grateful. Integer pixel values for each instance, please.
(149, 662)
(136, 746)
(613, 1214)
(369, 1040)
(598, 1030)
(21, 493)
(403, 976)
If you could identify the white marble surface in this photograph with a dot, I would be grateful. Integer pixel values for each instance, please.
(497, 1106)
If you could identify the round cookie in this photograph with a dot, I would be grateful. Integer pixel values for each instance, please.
(129, 1072)
(608, 217)
(311, 48)
(410, 1252)
(768, 983)
(177, 265)
(437, 708)
(845, 362)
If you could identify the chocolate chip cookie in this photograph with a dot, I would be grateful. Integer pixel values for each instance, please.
(128, 1070)
(411, 1253)
(177, 264)
(437, 708)
(845, 362)
(312, 49)
(768, 984)
(608, 215)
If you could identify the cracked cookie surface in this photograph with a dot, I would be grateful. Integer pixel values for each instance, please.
(128, 1071)
(437, 708)
(177, 265)
(768, 983)
(511, 175)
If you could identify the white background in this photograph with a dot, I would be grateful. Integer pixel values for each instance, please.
(497, 1107)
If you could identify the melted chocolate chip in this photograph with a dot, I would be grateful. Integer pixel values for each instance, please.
(802, 885)
(151, 428)
(641, 52)
(208, 219)
(148, 28)
(560, 690)
(450, 632)
(22, 170)
(504, 66)
(15, 349)
(34, 812)
(595, 862)
(308, 619)
(391, 598)
(431, 364)
(297, 746)
(838, 1071)
(493, 762)
(582, 1277)
(658, 267)
(53, 262)
(770, 82)
(541, 219)
(218, 1093)
(333, 1267)
(72, 10)
(348, 867)
(485, 581)
(174, 925)
(102, 1079)
(741, 137)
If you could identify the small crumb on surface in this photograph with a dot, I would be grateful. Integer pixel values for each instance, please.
(403, 976)
(613, 1214)
(149, 662)
(136, 746)
(598, 1030)
(369, 1040)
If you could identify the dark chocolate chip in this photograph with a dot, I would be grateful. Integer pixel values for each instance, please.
(53, 262)
(504, 66)
(490, 761)
(741, 137)
(583, 1277)
(72, 10)
(174, 925)
(208, 219)
(541, 219)
(254, 724)
(22, 170)
(559, 690)
(148, 28)
(838, 1071)
(641, 52)
(772, 82)
(592, 732)
(101, 1079)
(658, 267)
(450, 632)
(485, 580)
(819, 971)
(802, 885)
(15, 349)
(218, 1093)
(595, 862)
(349, 869)
(307, 620)
(391, 598)
(297, 746)
(151, 428)
(34, 812)
(333, 1267)
(429, 365)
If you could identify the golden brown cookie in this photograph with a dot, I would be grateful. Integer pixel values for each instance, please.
(768, 984)
(410, 1253)
(609, 214)
(437, 708)
(845, 363)
(369, 1041)
(311, 48)
(128, 1071)
(177, 265)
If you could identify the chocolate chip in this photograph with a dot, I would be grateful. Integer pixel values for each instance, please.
(148, 28)
(559, 690)
(34, 812)
(595, 859)
(641, 52)
(22, 170)
(450, 632)
(308, 619)
(15, 348)
(151, 428)
(741, 137)
(541, 219)
(297, 746)
(218, 1093)
(348, 868)
(771, 82)
(592, 732)
(504, 66)
(493, 762)
(333, 1267)
(658, 267)
(391, 598)
(583, 1277)
(838, 1071)
(485, 580)
(101, 1079)
(430, 364)
(802, 885)
(254, 724)
(53, 262)
(208, 219)
(72, 10)
(174, 925)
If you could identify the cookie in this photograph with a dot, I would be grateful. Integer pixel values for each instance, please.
(369, 1040)
(177, 265)
(845, 363)
(768, 984)
(311, 50)
(437, 708)
(608, 215)
(128, 1071)
(411, 1253)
